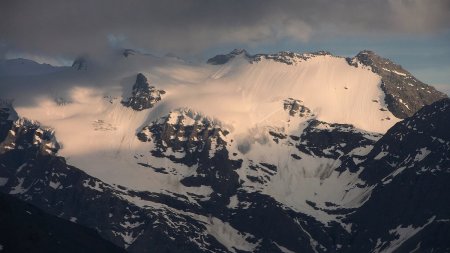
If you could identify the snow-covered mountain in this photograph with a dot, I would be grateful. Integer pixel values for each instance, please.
(281, 152)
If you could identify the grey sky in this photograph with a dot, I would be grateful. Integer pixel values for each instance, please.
(62, 28)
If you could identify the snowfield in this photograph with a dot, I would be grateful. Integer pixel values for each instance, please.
(98, 133)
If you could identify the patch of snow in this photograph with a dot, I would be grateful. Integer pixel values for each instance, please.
(401, 101)
(381, 155)
(21, 167)
(283, 249)
(234, 202)
(228, 236)
(421, 154)
(18, 189)
(129, 225)
(126, 236)
(417, 248)
(399, 73)
(3, 181)
(394, 71)
(54, 185)
(313, 243)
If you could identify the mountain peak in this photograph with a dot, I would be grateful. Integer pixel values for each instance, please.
(405, 94)
(287, 57)
(224, 58)
(141, 79)
(366, 52)
(143, 95)
(238, 51)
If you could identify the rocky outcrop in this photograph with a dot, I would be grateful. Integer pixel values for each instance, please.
(295, 107)
(190, 138)
(404, 94)
(333, 140)
(143, 96)
(21, 133)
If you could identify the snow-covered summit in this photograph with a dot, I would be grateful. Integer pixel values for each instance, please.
(251, 98)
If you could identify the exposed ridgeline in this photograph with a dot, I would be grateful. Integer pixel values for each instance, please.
(405, 94)
(289, 58)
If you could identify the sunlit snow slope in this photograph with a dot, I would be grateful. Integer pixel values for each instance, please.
(84, 107)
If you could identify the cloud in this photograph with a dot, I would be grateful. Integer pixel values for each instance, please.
(70, 28)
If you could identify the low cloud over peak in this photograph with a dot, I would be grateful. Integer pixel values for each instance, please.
(70, 28)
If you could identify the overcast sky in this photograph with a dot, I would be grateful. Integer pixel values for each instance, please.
(414, 33)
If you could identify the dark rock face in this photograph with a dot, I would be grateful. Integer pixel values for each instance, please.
(25, 228)
(418, 141)
(143, 95)
(191, 139)
(272, 224)
(409, 169)
(405, 94)
(333, 140)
